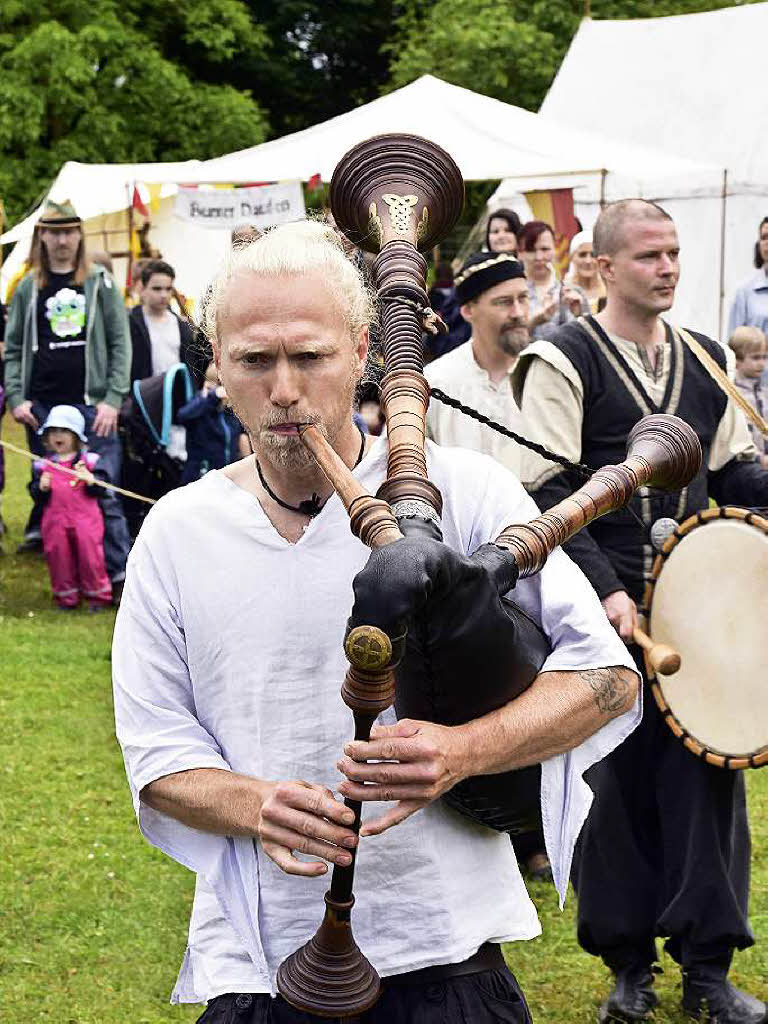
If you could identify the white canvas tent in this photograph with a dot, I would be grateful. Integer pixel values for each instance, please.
(102, 194)
(691, 86)
(487, 138)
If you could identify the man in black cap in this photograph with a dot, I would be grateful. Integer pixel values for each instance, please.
(493, 293)
(67, 343)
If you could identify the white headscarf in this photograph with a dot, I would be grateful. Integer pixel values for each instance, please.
(581, 238)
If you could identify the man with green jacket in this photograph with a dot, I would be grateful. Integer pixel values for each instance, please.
(68, 343)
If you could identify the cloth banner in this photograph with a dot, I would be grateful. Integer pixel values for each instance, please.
(262, 205)
(154, 196)
(555, 207)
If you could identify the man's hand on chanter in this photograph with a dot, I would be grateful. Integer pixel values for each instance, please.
(303, 817)
(416, 762)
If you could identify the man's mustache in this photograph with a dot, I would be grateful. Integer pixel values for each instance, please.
(280, 419)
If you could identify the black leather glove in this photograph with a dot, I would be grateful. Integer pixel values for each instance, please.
(402, 578)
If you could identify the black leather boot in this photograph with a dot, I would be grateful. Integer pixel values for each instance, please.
(632, 997)
(709, 996)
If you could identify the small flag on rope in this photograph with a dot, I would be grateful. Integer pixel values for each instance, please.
(154, 197)
(138, 204)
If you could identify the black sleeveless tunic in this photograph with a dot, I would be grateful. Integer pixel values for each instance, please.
(614, 400)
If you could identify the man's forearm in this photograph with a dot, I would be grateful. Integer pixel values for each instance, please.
(558, 712)
(209, 799)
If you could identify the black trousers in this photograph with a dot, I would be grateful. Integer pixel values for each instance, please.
(482, 998)
(665, 852)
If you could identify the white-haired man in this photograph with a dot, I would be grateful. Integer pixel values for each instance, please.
(223, 705)
(665, 851)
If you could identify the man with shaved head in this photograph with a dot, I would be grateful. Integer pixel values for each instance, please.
(665, 851)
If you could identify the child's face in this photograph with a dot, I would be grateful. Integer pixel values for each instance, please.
(156, 293)
(61, 441)
(753, 364)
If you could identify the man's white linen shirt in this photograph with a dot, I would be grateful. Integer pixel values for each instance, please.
(460, 375)
(228, 654)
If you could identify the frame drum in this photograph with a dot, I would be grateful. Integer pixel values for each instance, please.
(708, 599)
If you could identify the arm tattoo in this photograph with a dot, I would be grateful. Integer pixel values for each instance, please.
(609, 687)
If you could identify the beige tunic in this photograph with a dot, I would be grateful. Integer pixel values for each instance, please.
(549, 391)
(458, 374)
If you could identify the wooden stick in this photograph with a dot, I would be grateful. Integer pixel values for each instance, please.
(370, 518)
(663, 451)
(662, 658)
(64, 469)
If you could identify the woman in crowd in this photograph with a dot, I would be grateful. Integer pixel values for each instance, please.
(552, 302)
(583, 271)
(502, 232)
(750, 304)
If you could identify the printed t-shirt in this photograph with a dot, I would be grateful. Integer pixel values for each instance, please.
(58, 366)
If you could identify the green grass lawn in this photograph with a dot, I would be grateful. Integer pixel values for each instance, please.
(93, 921)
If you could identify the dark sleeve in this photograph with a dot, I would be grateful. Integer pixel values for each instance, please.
(141, 358)
(196, 407)
(99, 473)
(33, 486)
(740, 483)
(581, 548)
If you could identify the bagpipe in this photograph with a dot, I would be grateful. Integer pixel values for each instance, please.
(426, 617)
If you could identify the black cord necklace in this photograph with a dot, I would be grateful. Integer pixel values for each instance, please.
(310, 506)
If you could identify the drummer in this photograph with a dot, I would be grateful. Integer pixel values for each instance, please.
(665, 851)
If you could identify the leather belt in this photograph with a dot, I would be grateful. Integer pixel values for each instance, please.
(488, 958)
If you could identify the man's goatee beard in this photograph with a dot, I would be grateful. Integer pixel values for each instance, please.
(513, 342)
(289, 453)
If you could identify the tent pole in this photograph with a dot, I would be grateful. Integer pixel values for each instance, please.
(722, 252)
(129, 272)
(603, 176)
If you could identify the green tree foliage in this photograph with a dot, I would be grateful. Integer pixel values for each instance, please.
(111, 83)
(323, 58)
(508, 49)
(130, 80)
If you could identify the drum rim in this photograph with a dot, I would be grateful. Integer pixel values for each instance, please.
(759, 757)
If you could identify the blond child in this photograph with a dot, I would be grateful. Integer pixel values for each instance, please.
(750, 348)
